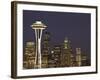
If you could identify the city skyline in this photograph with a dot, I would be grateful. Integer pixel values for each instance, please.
(75, 26)
(53, 55)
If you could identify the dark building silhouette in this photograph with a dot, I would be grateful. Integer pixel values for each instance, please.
(45, 50)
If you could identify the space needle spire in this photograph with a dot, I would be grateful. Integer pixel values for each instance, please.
(38, 26)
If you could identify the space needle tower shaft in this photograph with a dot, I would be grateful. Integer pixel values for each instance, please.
(38, 26)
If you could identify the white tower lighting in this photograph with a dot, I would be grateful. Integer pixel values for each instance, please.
(38, 26)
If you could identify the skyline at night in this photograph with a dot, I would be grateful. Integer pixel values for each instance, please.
(74, 26)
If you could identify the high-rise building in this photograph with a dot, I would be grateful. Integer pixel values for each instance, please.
(29, 55)
(45, 50)
(56, 56)
(78, 57)
(53, 55)
(66, 53)
(51, 59)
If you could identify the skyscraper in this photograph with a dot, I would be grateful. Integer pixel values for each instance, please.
(56, 56)
(45, 49)
(66, 53)
(78, 56)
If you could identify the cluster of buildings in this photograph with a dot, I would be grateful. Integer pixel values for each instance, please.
(59, 55)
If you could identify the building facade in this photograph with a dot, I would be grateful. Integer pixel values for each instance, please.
(45, 50)
(56, 56)
(29, 55)
(78, 57)
(52, 56)
(66, 54)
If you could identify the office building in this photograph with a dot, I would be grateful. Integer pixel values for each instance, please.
(66, 54)
(78, 57)
(45, 50)
(29, 55)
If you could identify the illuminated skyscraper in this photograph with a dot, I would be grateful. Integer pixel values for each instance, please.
(66, 53)
(56, 55)
(78, 56)
(38, 26)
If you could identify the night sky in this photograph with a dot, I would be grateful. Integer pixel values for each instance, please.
(75, 26)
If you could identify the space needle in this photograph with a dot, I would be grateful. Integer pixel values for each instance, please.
(38, 26)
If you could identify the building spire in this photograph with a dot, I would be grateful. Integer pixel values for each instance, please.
(66, 43)
(66, 40)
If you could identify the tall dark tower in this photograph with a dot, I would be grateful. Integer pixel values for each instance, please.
(45, 49)
(66, 53)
